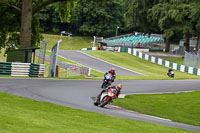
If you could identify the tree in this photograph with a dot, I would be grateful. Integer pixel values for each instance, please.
(137, 16)
(195, 18)
(159, 14)
(97, 18)
(174, 17)
(50, 21)
(27, 10)
(10, 18)
(26, 23)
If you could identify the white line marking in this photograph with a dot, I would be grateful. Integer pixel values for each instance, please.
(111, 63)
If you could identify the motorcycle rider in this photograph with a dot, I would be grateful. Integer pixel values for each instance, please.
(112, 72)
(169, 71)
(117, 88)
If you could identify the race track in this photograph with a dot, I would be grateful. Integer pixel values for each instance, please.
(77, 94)
(94, 63)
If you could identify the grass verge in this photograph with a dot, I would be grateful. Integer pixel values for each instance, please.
(150, 70)
(68, 43)
(181, 107)
(22, 115)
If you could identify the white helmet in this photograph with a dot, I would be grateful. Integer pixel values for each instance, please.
(119, 86)
(113, 69)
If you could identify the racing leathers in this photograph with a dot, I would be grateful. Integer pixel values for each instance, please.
(113, 74)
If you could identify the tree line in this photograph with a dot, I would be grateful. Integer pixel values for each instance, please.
(88, 18)
(180, 18)
(22, 21)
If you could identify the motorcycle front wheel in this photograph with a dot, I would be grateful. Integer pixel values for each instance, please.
(105, 102)
(103, 85)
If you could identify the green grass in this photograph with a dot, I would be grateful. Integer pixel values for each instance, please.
(182, 107)
(68, 43)
(150, 70)
(178, 60)
(22, 115)
(62, 59)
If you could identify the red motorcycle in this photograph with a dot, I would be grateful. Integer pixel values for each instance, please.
(106, 97)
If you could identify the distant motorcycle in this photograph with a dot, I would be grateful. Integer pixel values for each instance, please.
(106, 97)
(107, 80)
(171, 74)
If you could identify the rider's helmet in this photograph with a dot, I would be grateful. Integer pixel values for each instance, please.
(119, 87)
(170, 69)
(113, 69)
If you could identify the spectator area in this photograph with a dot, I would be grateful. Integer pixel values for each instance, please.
(133, 40)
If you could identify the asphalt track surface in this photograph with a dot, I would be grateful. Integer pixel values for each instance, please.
(77, 94)
(94, 63)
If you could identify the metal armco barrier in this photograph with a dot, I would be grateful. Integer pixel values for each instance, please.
(22, 69)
